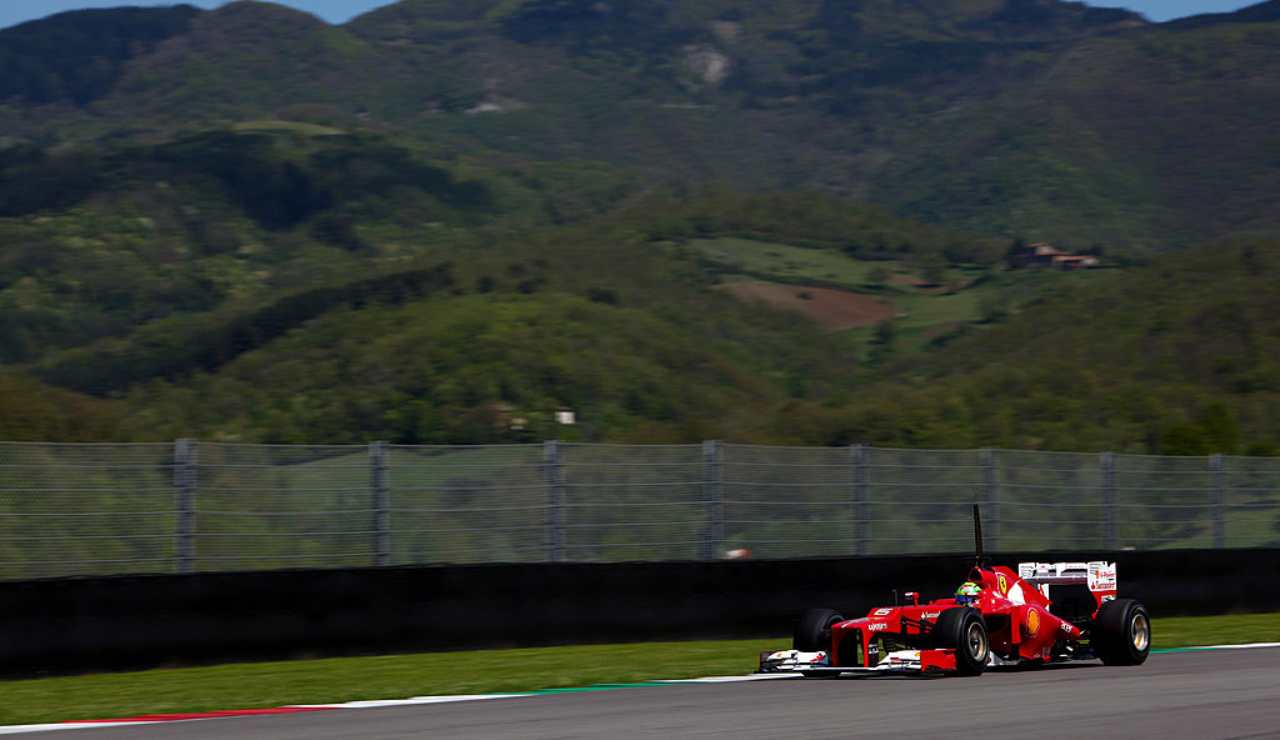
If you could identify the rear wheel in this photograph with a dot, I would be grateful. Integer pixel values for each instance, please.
(964, 631)
(813, 631)
(1121, 633)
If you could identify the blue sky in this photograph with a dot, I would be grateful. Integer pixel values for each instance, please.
(337, 11)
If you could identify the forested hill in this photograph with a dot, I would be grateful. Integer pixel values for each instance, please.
(1178, 358)
(444, 220)
(426, 294)
(1038, 118)
(79, 56)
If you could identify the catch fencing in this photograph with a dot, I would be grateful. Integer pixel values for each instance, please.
(193, 506)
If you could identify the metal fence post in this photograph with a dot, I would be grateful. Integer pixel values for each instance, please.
(1107, 461)
(381, 503)
(184, 478)
(555, 500)
(861, 524)
(1218, 464)
(991, 486)
(714, 539)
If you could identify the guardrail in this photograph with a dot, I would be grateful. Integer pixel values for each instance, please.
(200, 507)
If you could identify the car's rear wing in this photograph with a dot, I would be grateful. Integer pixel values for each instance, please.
(1098, 575)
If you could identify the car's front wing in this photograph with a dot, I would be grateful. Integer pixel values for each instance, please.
(901, 661)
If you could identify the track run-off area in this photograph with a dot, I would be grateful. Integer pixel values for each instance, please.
(1216, 693)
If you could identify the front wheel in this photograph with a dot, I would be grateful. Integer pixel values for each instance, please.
(964, 630)
(813, 631)
(1121, 633)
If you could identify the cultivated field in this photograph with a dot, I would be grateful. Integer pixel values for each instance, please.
(832, 308)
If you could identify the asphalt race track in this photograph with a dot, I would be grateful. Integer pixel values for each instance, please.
(1219, 694)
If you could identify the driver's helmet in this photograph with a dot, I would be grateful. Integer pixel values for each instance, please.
(968, 592)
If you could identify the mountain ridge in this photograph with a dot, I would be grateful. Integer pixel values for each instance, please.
(1262, 12)
(901, 102)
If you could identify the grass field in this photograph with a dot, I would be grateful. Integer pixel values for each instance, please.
(297, 127)
(251, 685)
(787, 262)
(923, 313)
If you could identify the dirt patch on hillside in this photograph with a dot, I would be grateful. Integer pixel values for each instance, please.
(834, 309)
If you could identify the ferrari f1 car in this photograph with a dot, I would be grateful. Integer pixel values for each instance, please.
(1039, 615)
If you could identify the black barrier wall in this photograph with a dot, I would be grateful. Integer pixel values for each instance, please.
(129, 622)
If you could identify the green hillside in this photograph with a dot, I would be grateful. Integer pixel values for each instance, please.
(103, 240)
(367, 292)
(100, 239)
(1175, 358)
(443, 221)
(78, 57)
(1082, 144)
(215, 262)
(625, 331)
(1032, 118)
(33, 412)
(125, 262)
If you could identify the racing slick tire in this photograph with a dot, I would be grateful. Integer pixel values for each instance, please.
(964, 630)
(813, 631)
(1121, 633)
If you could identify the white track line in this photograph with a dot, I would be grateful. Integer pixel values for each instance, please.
(379, 704)
(59, 726)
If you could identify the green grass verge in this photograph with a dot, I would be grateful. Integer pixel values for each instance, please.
(248, 685)
(1236, 629)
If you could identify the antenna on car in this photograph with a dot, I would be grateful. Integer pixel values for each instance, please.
(977, 536)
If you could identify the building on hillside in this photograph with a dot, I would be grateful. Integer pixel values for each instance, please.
(1075, 262)
(1043, 254)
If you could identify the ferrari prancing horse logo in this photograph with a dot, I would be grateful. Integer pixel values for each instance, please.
(1002, 583)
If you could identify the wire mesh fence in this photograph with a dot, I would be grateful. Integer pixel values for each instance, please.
(68, 510)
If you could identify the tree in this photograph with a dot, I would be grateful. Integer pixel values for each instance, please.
(882, 343)
(933, 269)
(1018, 246)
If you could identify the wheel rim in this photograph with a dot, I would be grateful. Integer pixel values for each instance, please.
(1141, 632)
(976, 638)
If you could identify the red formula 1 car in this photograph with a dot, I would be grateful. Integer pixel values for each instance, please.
(998, 618)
